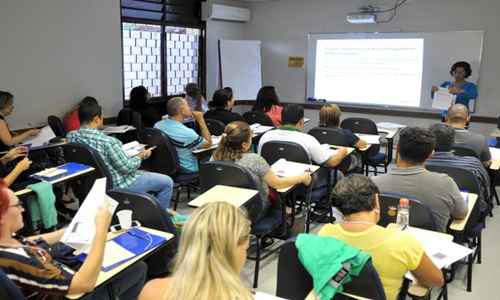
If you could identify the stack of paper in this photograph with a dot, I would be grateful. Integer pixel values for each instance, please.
(285, 168)
(51, 172)
(81, 231)
(495, 153)
(370, 139)
(443, 99)
(43, 138)
(117, 129)
(133, 148)
(259, 129)
(390, 125)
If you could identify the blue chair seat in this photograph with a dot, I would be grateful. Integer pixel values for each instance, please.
(378, 158)
(269, 222)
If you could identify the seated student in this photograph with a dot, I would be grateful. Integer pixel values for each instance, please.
(394, 252)
(329, 117)
(195, 99)
(291, 131)
(7, 139)
(10, 176)
(212, 253)
(124, 170)
(184, 138)
(458, 117)
(235, 146)
(437, 190)
(222, 103)
(29, 263)
(445, 138)
(138, 102)
(71, 121)
(268, 102)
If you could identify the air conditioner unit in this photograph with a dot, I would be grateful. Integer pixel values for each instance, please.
(225, 13)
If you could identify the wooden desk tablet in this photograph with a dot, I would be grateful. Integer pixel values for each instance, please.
(103, 277)
(233, 195)
(459, 225)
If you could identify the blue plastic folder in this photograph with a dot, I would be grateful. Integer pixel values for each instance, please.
(71, 168)
(134, 240)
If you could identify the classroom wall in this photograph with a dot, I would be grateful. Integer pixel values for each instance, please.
(55, 52)
(283, 27)
(219, 30)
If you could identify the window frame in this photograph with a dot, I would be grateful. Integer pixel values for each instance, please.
(163, 23)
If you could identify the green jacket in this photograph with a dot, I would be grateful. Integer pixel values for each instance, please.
(330, 262)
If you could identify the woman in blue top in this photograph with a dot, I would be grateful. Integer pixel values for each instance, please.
(462, 89)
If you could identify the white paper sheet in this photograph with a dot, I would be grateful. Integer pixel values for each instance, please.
(390, 125)
(259, 129)
(81, 231)
(495, 153)
(133, 148)
(327, 148)
(43, 138)
(442, 252)
(285, 168)
(51, 172)
(118, 129)
(370, 139)
(442, 99)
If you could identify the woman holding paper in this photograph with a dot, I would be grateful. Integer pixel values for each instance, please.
(235, 146)
(465, 91)
(6, 138)
(30, 264)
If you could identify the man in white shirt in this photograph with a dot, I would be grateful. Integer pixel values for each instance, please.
(292, 119)
(291, 131)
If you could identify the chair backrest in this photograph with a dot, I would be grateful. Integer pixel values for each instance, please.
(127, 116)
(252, 117)
(274, 150)
(229, 173)
(148, 212)
(81, 153)
(215, 127)
(420, 214)
(164, 158)
(465, 179)
(225, 173)
(8, 289)
(462, 150)
(294, 282)
(360, 125)
(57, 126)
(328, 136)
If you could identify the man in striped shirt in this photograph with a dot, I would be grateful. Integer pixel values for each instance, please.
(124, 170)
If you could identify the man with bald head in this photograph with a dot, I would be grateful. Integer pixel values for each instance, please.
(458, 117)
(184, 138)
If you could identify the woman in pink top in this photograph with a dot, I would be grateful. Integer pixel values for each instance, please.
(268, 102)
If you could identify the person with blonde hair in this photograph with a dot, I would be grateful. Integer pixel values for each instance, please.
(212, 253)
(329, 117)
(235, 146)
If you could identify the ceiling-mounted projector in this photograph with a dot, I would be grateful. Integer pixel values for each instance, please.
(362, 18)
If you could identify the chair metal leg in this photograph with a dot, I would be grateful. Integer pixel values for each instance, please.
(496, 195)
(257, 265)
(470, 261)
(177, 197)
(189, 192)
(479, 247)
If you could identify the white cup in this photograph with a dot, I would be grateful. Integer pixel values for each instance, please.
(125, 218)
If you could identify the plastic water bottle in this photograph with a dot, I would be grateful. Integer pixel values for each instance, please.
(403, 218)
